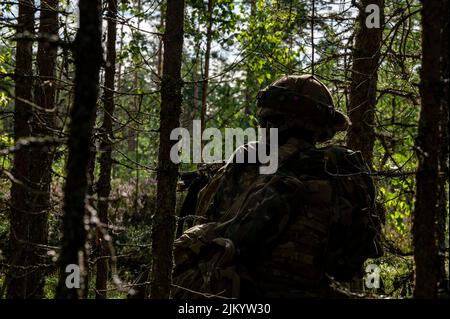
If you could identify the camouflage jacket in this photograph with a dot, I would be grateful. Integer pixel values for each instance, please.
(281, 235)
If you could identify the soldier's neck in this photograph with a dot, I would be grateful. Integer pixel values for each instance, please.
(298, 142)
(292, 146)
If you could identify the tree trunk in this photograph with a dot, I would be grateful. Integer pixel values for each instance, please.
(132, 133)
(104, 181)
(361, 109)
(159, 60)
(196, 86)
(23, 276)
(443, 155)
(90, 201)
(119, 69)
(250, 81)
(88, 58)
(427, 145)
(164, 220)
(42, 126)
(206, 68)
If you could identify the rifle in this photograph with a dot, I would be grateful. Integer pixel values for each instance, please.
(194, 182)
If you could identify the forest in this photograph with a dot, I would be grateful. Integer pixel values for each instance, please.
(90, 90)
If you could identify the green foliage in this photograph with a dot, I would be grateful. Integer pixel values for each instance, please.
(5, 142)
(396, 276)
(268, 40)
(51, 282)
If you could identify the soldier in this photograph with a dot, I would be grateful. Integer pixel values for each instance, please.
(293, 233)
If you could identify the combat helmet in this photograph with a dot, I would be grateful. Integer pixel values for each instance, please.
(300, 102)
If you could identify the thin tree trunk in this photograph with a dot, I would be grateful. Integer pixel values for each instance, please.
(43, 125)
(119, 69)
(250, 76)
(132, 133)
(104, 181)
(22, 275)
(427, 145)
(249, 87)
(189, 113)
(90, 201)
(361, 109)
(206, 68)
(88, 58)
(444, 151)
(160, 45)
(164, 220)
(196, 84)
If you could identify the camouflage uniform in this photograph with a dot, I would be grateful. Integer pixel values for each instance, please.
(284, 234)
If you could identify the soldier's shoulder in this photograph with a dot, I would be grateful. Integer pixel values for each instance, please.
(341, 159)
(337, 149)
